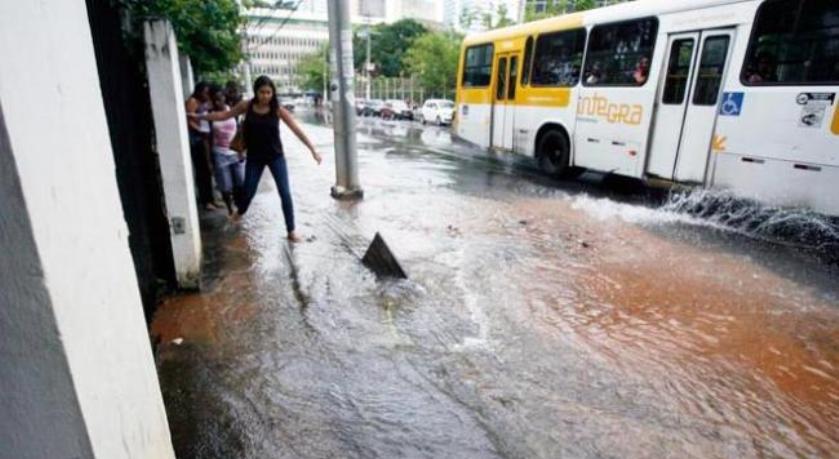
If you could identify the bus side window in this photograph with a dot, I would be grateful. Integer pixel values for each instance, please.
(794, 42)
(501, 81)
(528, 55)
(711, 66)
(619, 54)
(477, 66)
(514, 73)
(558, 58)
(678, 68)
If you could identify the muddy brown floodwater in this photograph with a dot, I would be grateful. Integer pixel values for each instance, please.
(540, 319)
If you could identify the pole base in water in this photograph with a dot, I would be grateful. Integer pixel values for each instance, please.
(343, 194)
(381, 260)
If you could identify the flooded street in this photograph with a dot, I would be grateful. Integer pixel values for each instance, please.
(541, 319)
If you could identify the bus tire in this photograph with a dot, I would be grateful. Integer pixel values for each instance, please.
(553, 153)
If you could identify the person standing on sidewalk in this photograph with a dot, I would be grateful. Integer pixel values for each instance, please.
(261, 127)
(199, 133)
(229, 167)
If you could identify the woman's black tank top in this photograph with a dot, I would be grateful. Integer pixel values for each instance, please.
(262, 135)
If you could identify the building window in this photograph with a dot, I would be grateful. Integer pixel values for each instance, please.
(619, 54)
(795, 42)
(477, 68)
(558, 58)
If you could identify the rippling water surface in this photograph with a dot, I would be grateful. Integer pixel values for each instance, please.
(540, 320)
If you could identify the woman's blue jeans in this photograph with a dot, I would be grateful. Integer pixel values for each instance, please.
(253, 172)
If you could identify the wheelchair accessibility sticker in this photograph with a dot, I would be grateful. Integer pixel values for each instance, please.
(732, 104)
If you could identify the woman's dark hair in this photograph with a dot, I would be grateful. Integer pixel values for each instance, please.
(267, 81)
(215, 91)
(199, 89)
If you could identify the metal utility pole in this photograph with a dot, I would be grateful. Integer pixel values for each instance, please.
(347, 185)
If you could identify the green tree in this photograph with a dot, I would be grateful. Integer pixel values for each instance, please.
(388, 46)
(582, 5)
(433, 59)
(503, 16)
(207, 30)
(312, 71)
(467, 17)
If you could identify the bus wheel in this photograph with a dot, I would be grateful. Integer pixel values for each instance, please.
(552, 153)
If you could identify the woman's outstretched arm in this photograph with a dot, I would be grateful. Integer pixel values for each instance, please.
(237, 110)
(295, 128)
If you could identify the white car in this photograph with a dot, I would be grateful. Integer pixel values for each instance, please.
(438, 111)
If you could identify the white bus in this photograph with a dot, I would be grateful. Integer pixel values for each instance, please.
(730, 94)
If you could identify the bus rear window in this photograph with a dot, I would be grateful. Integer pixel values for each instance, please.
(619, 54)
(794, 42)
(477, 66)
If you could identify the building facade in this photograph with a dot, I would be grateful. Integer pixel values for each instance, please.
(275, 40)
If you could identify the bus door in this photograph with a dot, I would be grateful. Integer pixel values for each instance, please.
(688, 104)
(503, 102)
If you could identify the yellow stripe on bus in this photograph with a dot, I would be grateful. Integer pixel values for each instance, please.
(835, 126)
(543, 97)
(475, 96)
(556, 23)
(526, 97)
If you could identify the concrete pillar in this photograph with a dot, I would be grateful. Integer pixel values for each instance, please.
(167, 100)
(187, 76)
(77, 377)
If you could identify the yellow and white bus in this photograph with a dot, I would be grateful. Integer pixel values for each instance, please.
(732, 94)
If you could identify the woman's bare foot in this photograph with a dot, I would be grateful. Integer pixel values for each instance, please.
(294, 237)
(235, 217)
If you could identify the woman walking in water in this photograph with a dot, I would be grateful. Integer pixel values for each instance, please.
(261, 127)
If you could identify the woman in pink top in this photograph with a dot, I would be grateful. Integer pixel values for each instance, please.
(229, 167)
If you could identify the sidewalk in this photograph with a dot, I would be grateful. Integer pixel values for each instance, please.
(535, 323)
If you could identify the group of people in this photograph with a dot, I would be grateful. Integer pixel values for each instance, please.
(214, 116)
(637, 76)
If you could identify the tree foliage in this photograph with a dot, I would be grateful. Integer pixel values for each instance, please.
(207, 30)
(388, 46)
(312, 71)
(433, 59)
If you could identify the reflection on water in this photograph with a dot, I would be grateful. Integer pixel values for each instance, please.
(537, 322)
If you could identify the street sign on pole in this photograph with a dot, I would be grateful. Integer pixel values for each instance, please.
(341, 88)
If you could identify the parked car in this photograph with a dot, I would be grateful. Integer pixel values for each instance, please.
(396, 109)
(372, 107)
(438, 111)
(287, 103)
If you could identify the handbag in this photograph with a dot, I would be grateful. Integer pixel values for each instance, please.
(237, 144)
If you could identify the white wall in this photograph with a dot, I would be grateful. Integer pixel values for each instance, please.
(167, 100)
(77, 377)
(187, 77)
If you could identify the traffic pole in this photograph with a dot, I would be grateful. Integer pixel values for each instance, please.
(347, 186)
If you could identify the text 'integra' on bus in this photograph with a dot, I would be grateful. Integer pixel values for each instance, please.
(731, 94)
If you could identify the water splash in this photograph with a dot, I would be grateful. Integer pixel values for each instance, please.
(791, 226)
(724, 211)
